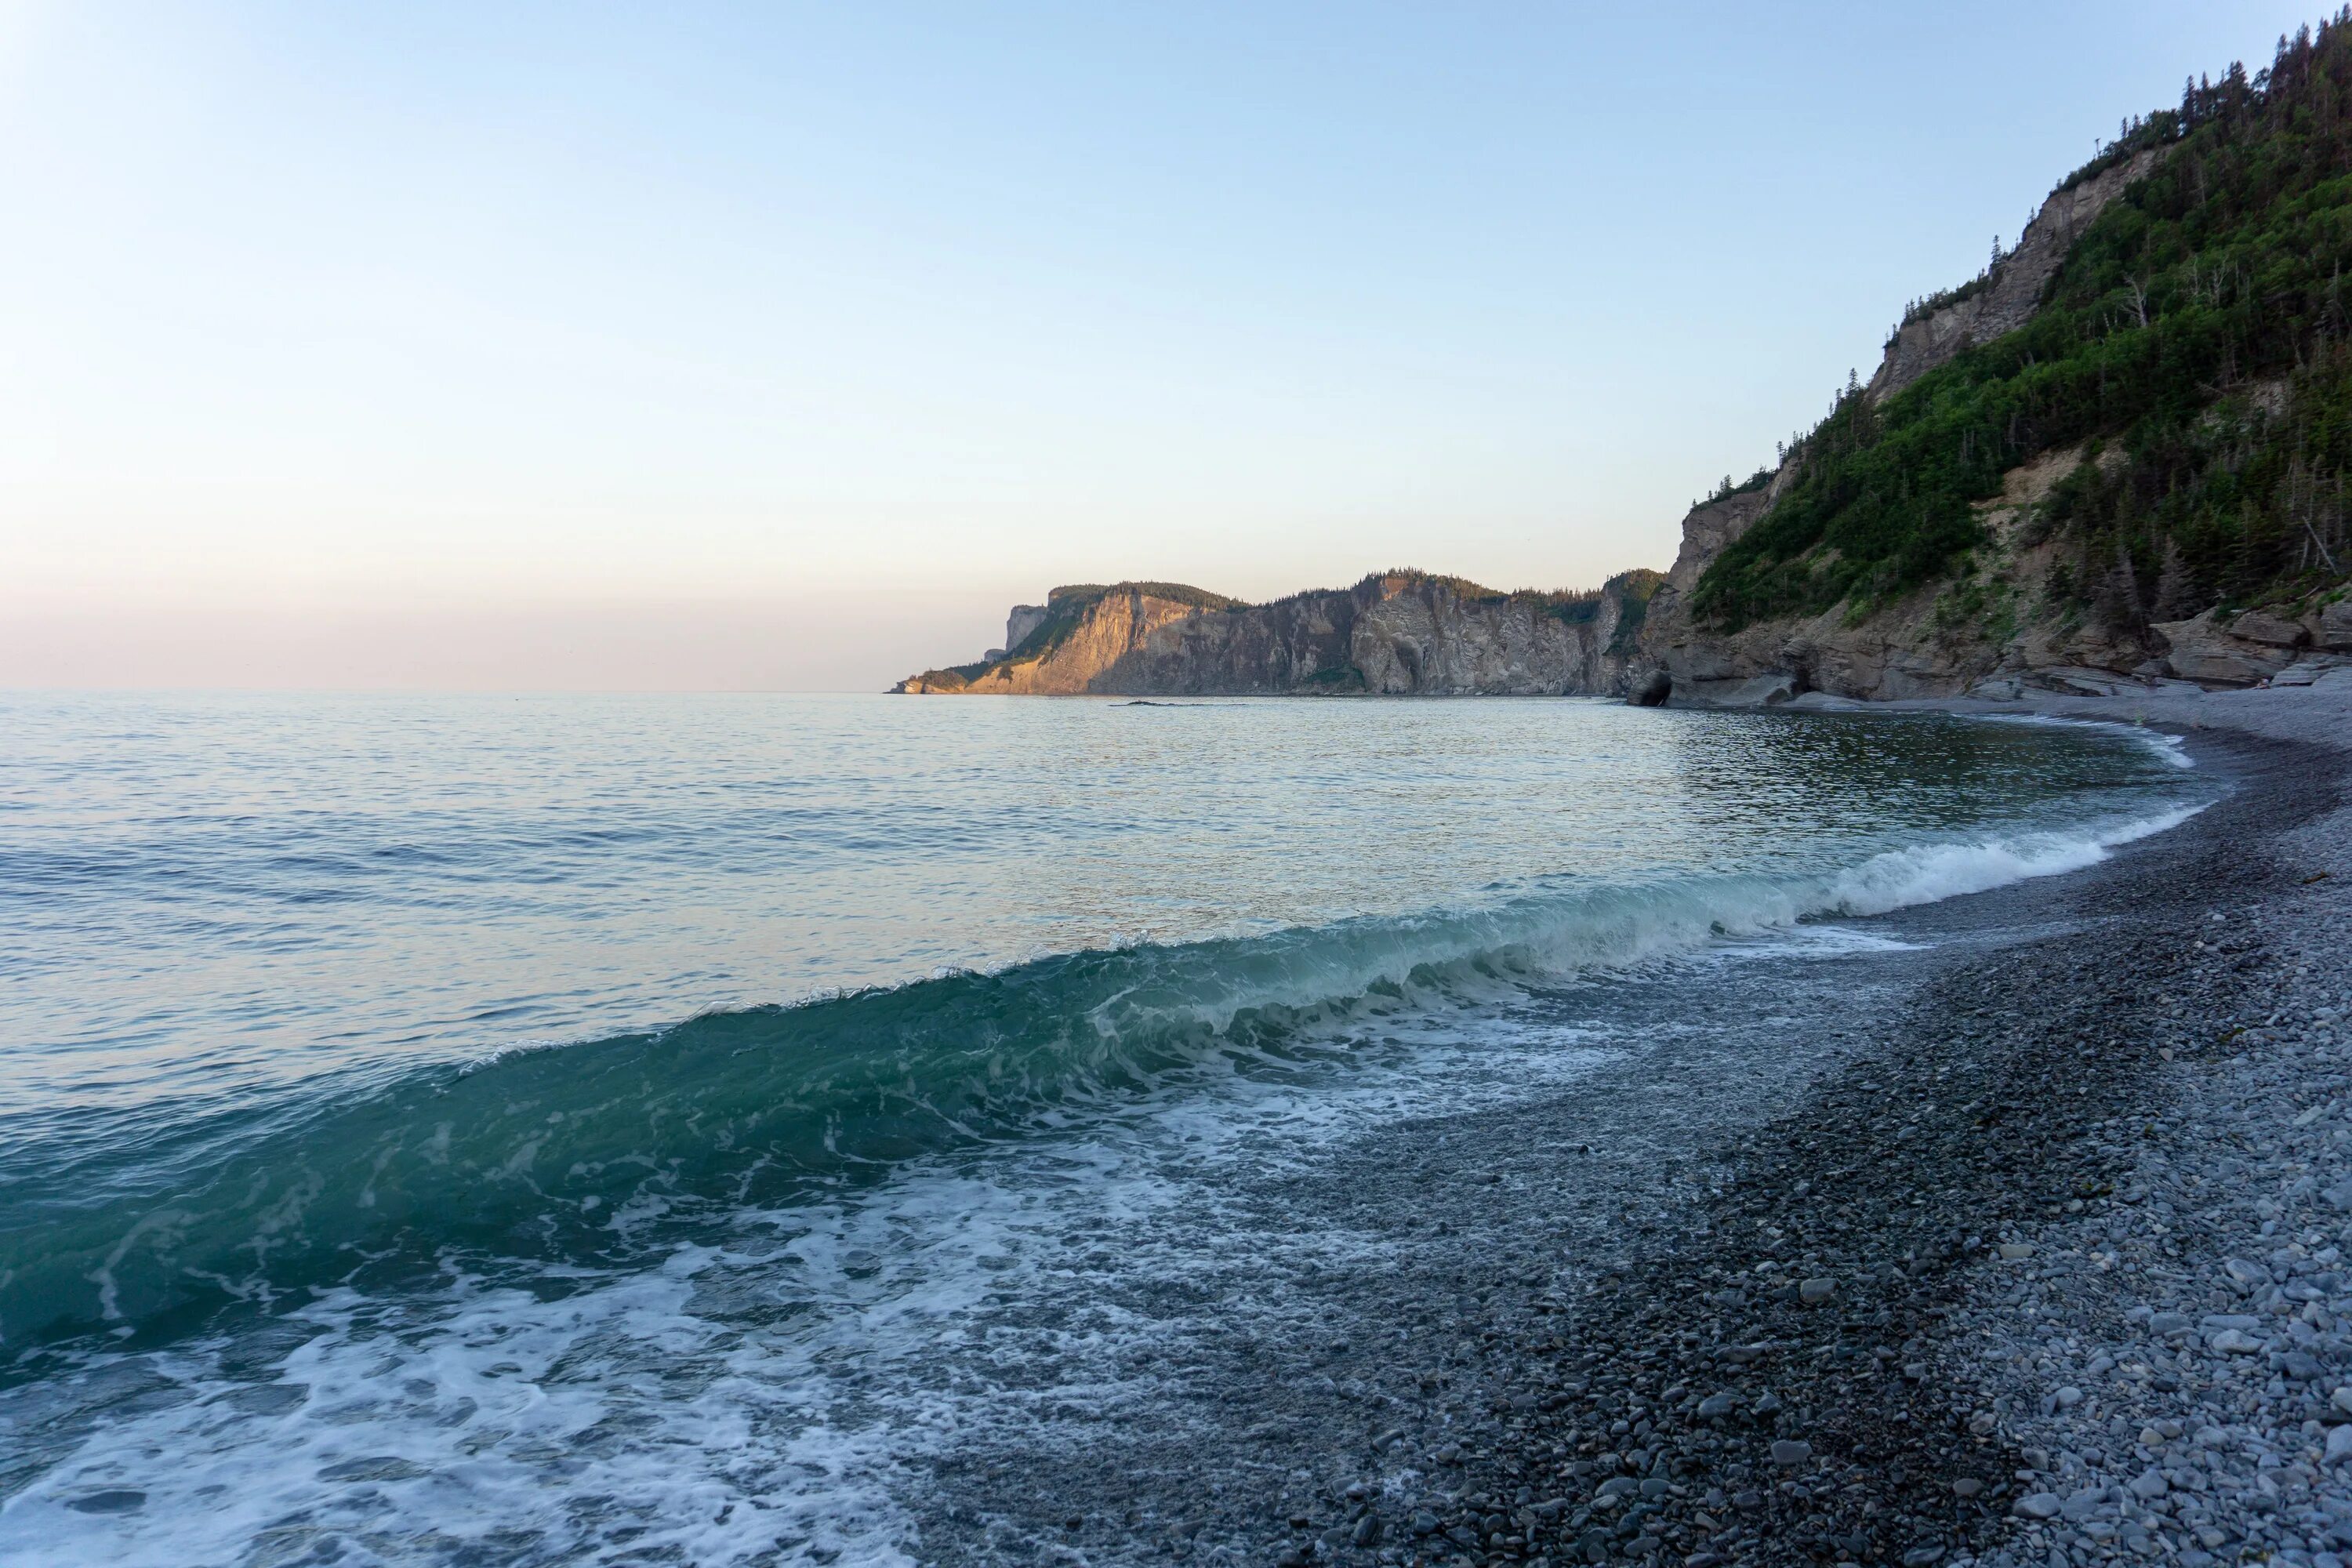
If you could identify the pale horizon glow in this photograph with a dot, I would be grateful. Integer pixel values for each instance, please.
(784, 347)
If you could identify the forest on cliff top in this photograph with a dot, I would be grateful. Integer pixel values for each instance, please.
(2197, 330)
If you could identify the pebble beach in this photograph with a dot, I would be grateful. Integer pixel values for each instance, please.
(2032, 1245)
(2052, 1269)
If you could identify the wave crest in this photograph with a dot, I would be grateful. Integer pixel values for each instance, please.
(565, 1152)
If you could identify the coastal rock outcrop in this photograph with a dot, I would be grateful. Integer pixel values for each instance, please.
(2202, 649)
(1919, 647)
(1710, 528)
(2027, 606)
(1394, 634)
(1906, 649)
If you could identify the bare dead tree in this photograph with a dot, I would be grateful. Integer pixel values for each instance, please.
(2333, 570)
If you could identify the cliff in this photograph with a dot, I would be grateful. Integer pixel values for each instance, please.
(2121, 455)
(2007, 296)
(1904, 649)
(2117, 457)
(1394, 634)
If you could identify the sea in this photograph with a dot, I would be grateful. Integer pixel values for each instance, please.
(539, 1129)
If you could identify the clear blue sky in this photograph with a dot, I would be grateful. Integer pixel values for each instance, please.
(720, 346)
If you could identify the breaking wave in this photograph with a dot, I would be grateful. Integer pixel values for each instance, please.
(577, 1152)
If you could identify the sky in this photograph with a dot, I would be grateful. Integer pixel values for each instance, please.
(775, 347)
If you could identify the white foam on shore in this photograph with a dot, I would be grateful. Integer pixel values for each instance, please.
(1901, 878)
(773, 1399)
(612, 1422)
(776, 1396)
(2171, 748)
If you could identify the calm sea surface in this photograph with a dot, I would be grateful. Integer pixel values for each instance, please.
(581, 1130)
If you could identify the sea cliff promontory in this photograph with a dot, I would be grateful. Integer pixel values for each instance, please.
(2119, 456)
(1402, 632)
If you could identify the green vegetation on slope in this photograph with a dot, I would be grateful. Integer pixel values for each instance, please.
(1634, 589)
(1727, 489)
(2199, 328)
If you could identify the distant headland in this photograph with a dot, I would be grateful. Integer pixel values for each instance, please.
(2117, 457)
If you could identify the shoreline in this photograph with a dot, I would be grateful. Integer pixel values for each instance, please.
(2001, 1315)
(1559, 1311)
(1578, 1327)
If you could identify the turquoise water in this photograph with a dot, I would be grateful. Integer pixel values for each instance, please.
(469, 1128)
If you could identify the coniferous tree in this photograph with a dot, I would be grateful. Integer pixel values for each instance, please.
(2176, 593)
(2116, 605)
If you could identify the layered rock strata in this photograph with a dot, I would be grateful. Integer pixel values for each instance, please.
(1397, 634)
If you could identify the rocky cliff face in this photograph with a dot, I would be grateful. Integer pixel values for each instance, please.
(2007, 299)
(1924, 647)
(1709, 529)
(1023, 620)
(1398, 634)
(1907, 650)
(1940, 642)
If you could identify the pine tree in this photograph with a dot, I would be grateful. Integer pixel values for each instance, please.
(2115, 606)
(2176, 593)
